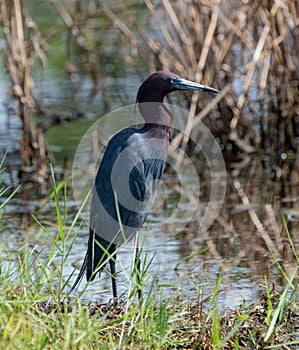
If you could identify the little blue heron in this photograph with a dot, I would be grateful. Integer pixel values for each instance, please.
(126, 182)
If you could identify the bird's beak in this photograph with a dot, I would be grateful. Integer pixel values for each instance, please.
(183, 84)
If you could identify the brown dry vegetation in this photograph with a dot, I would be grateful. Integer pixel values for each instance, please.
(248, 50)
(23, 45)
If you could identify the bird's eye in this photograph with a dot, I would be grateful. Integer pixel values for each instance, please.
(172, 80)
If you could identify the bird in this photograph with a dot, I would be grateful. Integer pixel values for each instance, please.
(126, 182)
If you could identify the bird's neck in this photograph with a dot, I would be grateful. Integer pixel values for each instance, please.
(158, 131)
(155, 114)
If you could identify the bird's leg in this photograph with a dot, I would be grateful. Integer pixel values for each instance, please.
(113, 276)
(113, 280)
(137, 264)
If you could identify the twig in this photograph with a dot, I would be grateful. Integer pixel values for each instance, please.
(256, 221)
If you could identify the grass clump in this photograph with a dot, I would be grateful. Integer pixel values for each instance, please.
(32, 317)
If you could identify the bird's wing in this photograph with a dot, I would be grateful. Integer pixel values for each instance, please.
(144, 179)
(130, 170)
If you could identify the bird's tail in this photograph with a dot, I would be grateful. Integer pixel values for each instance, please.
(80, 276)
(99, 251)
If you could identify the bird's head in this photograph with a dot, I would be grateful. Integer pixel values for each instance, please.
(161, 83)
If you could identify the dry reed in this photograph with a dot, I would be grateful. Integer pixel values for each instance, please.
(23, 46)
